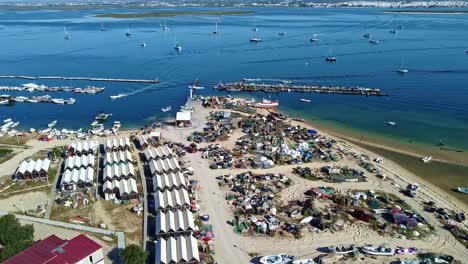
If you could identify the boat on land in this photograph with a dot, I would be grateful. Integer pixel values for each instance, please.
(463, 189)
(343, 250)
(277, 259)
(304, 100)
(116, 126)
(426, 159)
(102, 116)
(256, 39)
(52, 124)
(267, 104)
(166, 109)
(378, 251)
(407, 251)
(303, 261)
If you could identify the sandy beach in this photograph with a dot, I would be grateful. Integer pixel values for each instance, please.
(233, 248)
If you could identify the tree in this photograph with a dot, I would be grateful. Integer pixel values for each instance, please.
(134, 254)
(14, 236)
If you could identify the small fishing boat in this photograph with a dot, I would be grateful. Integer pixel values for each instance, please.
(70, 101)
(391, 123)
(282, 33)
(8, 120)
(314, 38)
(52, 124)
(402, 70)
(330, 58)
(304, 100)
(117, 96)
(4, 102)
(166, 109)
(103, 28)
(303, 261)
(407, 251)
(102, 116)
(378, 251)
(116, 126)
(277, 259)
(95, 123)
(463, 189)
(66, 34)
(267, 104)
(367, 35)
(255, 39)
(374, 41)
(178, 47)
(58, 101)
(32, 100)
(343, 250)
(20, 99)
(393, 31)
(426, 159)
(15, 124)
(128, 34)
(164, 27)
(143, 44)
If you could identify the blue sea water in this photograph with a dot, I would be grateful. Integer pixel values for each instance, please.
(429, 104)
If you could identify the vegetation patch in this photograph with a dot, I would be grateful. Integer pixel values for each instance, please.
(14, 237)
(5, 154)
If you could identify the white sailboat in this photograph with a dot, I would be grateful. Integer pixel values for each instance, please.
(330, 57)
(402, 68)
(164, 27)
(143, 44)
(103, 28)
(66, 34)
(216, 32)
(177, 46)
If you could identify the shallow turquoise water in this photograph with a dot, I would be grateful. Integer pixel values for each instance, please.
(430, 103)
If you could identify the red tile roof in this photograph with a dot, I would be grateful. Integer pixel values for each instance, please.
(54, 250)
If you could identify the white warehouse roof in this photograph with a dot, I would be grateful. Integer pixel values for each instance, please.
(78, 175)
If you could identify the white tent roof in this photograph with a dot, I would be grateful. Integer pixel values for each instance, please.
(168, 180)
(176, 250)
(33, 166)
(174, 221)
(118, 157)
(160, 152)
(122, 186)
(78, 175)
(79, 161)
(114, 143)
(183, 116)
(171, 199)
(119, 170)
(86, 146)
(164, 165)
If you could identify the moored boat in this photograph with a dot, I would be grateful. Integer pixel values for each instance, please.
(167, 108)
(267, 104)
(426, 159)
(367, 35)
(102, 116)
(304, 100)
(374, 41)
(378, 251)
(343, 250)
(277, 259)
(52, 124)
(256, 39)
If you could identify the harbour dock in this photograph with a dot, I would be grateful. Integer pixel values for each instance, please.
(287, 87)
(77, 79)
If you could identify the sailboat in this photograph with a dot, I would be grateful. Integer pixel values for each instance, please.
(143, 44)
(128, 34)
(330, 57)
(103, 28)
(165, 28)
(314, 38)
(177, 46)
(66, 34)
(255, 26)
(216, 32)
(402, 68)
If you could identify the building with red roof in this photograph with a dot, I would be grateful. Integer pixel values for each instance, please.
(54, 250)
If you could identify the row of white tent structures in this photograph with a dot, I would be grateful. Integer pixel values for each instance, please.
(118, 173)
(174, 219)
(33, 170)
(77, 162)
(82, 147)
(76, 179)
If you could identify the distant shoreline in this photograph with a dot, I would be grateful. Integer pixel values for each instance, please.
(429, 12)
(172, 14)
